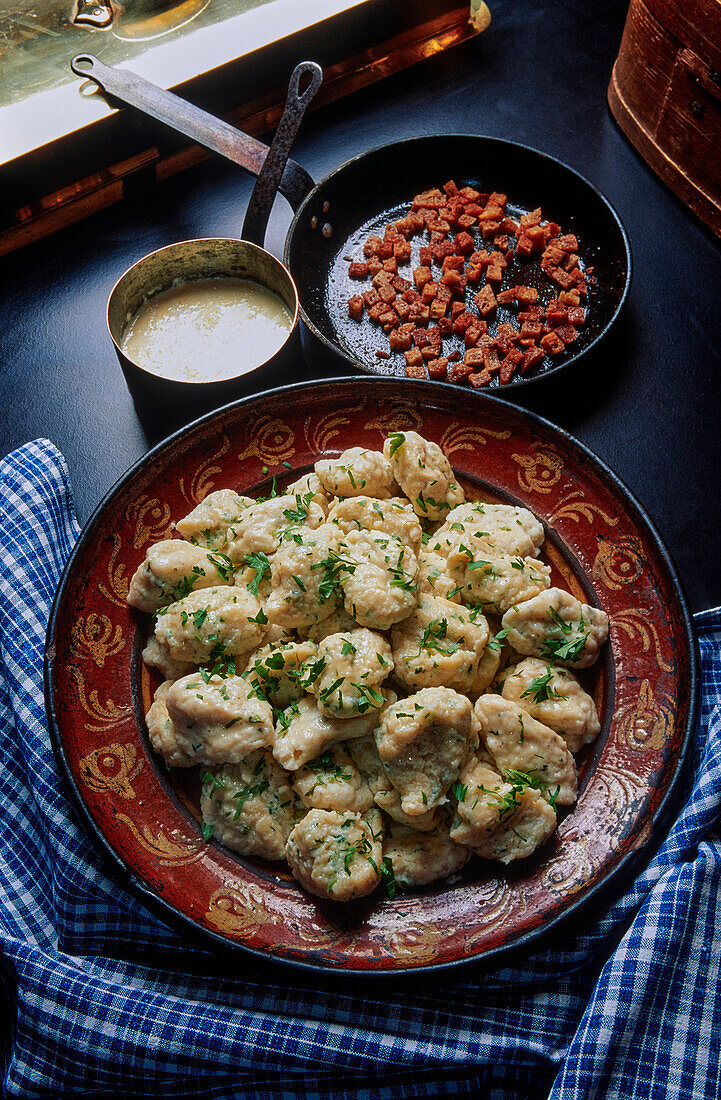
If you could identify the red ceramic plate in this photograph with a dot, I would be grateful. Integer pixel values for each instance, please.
(601, 547)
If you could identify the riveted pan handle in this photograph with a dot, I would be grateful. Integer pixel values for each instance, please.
(200, 126)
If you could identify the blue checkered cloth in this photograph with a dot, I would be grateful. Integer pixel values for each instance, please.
(102, 998)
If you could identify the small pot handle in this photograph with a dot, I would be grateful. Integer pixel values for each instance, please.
(200, 126)
(269, 178)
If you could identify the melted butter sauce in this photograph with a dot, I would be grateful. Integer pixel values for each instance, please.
(206, 330)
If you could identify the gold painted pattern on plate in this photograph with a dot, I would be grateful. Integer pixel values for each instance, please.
(272, 441)
(93, 636)
(111, 769)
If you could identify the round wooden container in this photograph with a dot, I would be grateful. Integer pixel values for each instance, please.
(665, 94)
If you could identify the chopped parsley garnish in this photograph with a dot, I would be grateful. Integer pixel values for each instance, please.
(397, 439)
(541, 690)
(564, 650)
(261, 618)
(207, 830)
(260, 563)
(388, 876)
(249, 791)
(223, 564)
(459, 791)
(347, 648)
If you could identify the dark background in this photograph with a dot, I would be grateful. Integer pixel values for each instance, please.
(647, 401)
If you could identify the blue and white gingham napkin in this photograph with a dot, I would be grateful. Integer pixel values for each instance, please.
(101, 998)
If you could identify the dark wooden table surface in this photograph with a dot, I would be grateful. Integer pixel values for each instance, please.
(648, 403)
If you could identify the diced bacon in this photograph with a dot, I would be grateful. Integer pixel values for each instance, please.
(463, 321)
(436, 224)
(437, 368)
(387, 294)
(491, 214)
(429, 292)
(489, 229)
(485, 299)
(472, 335)
(389, 319)
(553, 229)
(569, 297)
(568, 242)
(459, 372)
(374, 266)
(355, 308)
(474, 358)
(383, 354)
(531, 330)
(371, 297)
(429, 353)
(422, 276)
(465, 221)
(376, 311)
(454, 356)
(491, 362)
(370, 248)
(469, 194)
(537, 234)
(532, 218)
(384, 251)
(457, 308)
(425, 256)
(576, 315)
(501, 242)
(570, 261)
(454, 280)
(391, 265)
(530, 359)
(474, 274)
(400, 284)
(506, 297)
(440, 250)
(419, 313)
(494, 274)
(358, 271)
(552, 344)
(524, 245)
(438, 309)
(562, 278)
(482, 258)
(509, 226)
(382, 278)
(557, 315)
(526, 295)
(400, 341)
(405, 227)
(499, 259)
(432, 199)
(444, 293)
(453, 263)
(444, 325)
(450, 188)
(417, 218)
(413, 357)
(402, 252)
(480, 379)
(552, 256)
(530, 313)
(509, 366)
(497, 198)
(420, 338)
(567, 333)
(411, 296)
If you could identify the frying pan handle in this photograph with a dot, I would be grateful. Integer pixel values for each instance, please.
(202, 128)
(268, 182)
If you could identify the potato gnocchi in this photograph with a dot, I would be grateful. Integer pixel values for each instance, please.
(371, 673)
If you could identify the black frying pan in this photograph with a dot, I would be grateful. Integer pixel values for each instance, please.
(334, 217)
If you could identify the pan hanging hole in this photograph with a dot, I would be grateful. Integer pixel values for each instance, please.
(327, 230)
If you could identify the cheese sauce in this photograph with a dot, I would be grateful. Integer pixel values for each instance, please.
(205, 330)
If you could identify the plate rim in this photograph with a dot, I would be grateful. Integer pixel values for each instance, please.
(634, 860)
(514, 384)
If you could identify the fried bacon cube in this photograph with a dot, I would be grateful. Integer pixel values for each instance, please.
(459, 372)
(530, 358)
(400, 340)
(429, 292)
(425, 256)
(480, 379)
(355, 308)
(568, 242)
(552, 344)
(576, 315)
(437, 368)
(422, 276)
(402, 252)
(509, 366)
(485, 299)
(567, 333)
(414, 360)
